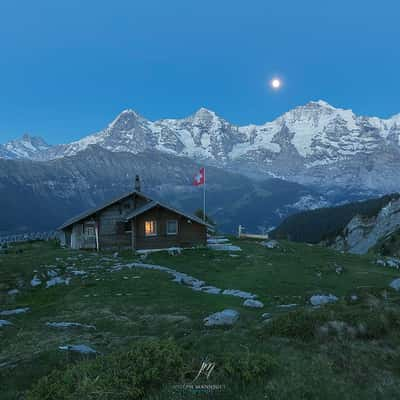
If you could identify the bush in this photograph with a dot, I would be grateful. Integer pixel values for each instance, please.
(128, 375)
(297, 324)
(248, 369)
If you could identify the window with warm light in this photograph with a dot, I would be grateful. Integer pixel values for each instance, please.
(150, 228)
(172, 227)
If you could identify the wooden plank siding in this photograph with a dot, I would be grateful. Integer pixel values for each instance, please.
(189, 234)
(113, 232)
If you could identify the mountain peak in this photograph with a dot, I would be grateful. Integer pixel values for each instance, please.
(321, 103)
(126, 120)
(204, 113)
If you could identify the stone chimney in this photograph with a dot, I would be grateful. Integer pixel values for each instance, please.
(137, 183)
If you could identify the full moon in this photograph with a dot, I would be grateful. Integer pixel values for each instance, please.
(276, 83)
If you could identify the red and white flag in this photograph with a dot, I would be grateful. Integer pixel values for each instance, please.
(200, 178)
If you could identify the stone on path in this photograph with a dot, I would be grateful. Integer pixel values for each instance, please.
(15, 312)
(253, 303)
(239, 293)
(79, 348)
(321, 299)
(225, 317)
(193, 283)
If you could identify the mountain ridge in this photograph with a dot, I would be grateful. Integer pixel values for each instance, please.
(314, 144)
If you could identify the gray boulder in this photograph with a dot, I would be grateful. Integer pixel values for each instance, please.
(395, 284)
(225, 317)
(253, 303)
(321, 299)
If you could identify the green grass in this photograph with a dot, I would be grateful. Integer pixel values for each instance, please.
(133, 305)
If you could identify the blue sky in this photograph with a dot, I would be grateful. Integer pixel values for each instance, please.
(67, 68)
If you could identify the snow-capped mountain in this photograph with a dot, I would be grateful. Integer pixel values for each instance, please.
(30, 147)
(315, 144)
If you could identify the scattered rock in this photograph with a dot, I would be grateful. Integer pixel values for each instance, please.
(116, 255)
(390, 262)
(65, 325)
(3, 322)
(15, 312)
(13, 292)
(57, 281)
(225, 317)
(266, 315)
(253, 303)
(233, 255)
(36, 281)
(80, 348)
(395, 284)
(321, 299)
(353, 297)
(270, 244)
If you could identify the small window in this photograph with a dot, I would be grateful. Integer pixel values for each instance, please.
(150, 228)
(172, 227)
(90, 231)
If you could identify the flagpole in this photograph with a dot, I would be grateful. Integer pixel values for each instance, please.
(204, 196)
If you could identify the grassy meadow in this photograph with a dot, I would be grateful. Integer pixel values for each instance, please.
(152, 340)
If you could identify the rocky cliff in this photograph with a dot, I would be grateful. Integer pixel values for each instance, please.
(363, 233)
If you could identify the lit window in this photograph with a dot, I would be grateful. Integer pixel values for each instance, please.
(172, 227)
(150, 228)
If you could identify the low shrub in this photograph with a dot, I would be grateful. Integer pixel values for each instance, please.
(248, 368)
(299, 324)
(128, 375)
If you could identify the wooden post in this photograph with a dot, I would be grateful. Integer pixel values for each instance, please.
(96, 229)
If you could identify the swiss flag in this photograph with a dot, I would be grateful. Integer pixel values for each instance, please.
(200, 178)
